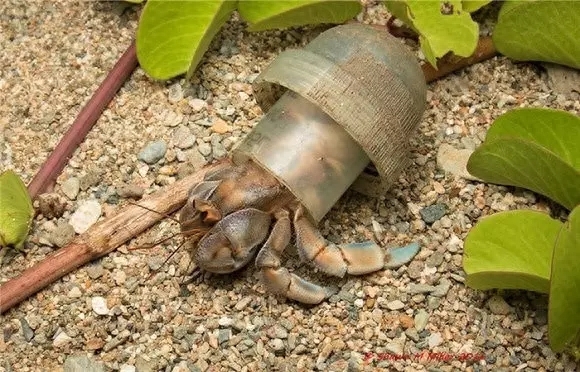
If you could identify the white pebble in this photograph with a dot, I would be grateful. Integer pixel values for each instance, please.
(197, 104)
(61, 339)
(120, 277)
(225, 321)
(75, 292)
(395, 305)
(359, 302)
(127, 368)
(85, 216)
(143, 169)
(434, 340)
(99, 305)
(71, 187)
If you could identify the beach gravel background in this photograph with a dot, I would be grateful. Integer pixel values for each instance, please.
(109, 316)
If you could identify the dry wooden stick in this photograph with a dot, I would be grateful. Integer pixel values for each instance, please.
(451, 63)
(101, 239)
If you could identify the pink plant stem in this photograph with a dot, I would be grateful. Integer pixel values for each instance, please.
(88, 116)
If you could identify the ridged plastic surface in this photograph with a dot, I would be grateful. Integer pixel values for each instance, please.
(364, 80)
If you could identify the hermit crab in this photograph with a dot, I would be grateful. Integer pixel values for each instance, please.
(352, 96)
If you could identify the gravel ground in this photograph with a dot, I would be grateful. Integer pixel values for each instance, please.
(108, 316)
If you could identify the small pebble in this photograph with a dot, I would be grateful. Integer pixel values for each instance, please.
(219, 151)
(435, 260)
(171, 118)
(224, 335)
(27, 332)
(225, 321)
(433, 212)
(197, 104)
(395, 305)
(71, 187)
(324, 353)
(175, 93)
(153, 152)
(442, 288)
(99, 305)
(204, 148)
(241, 305)
(75, 292)
(434, 340)
(396, 346)
(63, 234)
(130, 191)
(277, 345)
(120, 277)
(85, 216)
(90, 179)
(95, 270)
(212, 339)
(421, 319)
(220, 126)
(82, 363)
(498, 306)
(406, 321)
(277, 331)
(454, 161)
(143, 364)
(51, 205)
(183, 138)
(61, 339)
(127, 368)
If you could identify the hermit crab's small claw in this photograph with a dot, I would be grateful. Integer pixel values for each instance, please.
(233, 241)
(400, 256)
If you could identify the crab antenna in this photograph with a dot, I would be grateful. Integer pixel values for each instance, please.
(166, 260)
(154, 211)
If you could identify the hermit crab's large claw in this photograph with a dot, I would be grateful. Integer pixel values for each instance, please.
(353, 258)
(233, 241)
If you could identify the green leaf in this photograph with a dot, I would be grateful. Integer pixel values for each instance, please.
(443, 26)
(474, 5)
(16, 211)
(564, 307)
(539, 30)
(173, 35)
(555, 130)
(266, 15)
(511, 250)
(535, 149)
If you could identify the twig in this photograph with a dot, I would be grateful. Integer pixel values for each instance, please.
(451, 63)
(101, 239)
(88, 116)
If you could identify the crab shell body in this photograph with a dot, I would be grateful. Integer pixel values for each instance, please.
(328, 116)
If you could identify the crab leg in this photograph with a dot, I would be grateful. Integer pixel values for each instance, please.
(353, 258)
(277, 278)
